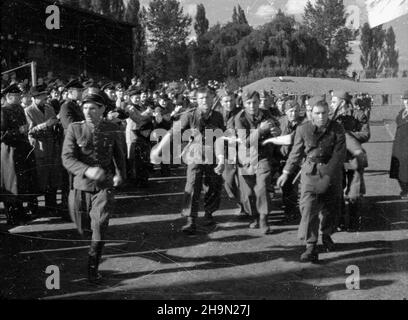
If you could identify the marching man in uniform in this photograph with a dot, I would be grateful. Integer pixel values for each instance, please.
(93, 153)
(323, 143)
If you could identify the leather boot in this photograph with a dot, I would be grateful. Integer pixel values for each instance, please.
(328, 243)
(95, 253)
(190, 226)
(208, 220)
(93, 275)
(310, 255)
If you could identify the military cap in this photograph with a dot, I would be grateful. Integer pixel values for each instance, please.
(38, 91)
(225, 93)
(314, 100)
(263, 94)
(13, 88)
(94, 95)
(133, 92)
(52, 86)
(342, 95)
(89, 83)
(75, 84)
(119, 86)
(163, 96)
(405, 95)
(108, 86)
(289, 104)
(248, 94)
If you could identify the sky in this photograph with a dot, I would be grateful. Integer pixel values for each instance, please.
(257, 12)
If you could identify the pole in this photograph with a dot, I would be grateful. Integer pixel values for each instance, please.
(11, 70)
(33, 74)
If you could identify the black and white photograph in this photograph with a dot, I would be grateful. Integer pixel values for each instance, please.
(204, 154)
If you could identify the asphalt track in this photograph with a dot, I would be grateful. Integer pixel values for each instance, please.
(148, 258)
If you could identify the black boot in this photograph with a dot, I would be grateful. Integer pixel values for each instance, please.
(310, 255)
(93, 275)
(190, 227)
(208, 220)
(95, 253)
(328, 243)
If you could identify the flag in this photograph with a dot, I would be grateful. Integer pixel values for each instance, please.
(382, 11)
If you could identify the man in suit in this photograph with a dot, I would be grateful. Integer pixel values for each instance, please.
(42, 120)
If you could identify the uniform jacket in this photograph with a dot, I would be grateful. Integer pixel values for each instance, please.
(193, 120)
(327, 148)
(86, 147)
(248, 129)
(70, 112)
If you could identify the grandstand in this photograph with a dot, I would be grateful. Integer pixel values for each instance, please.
(86, 41)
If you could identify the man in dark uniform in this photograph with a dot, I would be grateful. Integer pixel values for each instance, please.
(201, 170)
(93, 153)
(357, 127)
(290, 190)
(256, 160)
(18, 167)
(70, 112)
(230, 174)
(323, 143)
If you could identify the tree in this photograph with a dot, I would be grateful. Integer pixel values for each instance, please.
(101, 6)
(201, 22)
(241, 16)
(117, 9)
(371, 46)
(86, 4)
(326, 21)
(391, 55)
(235, 15)
(169, 29)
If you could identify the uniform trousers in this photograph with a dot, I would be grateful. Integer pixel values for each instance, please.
(318, 209)
(255, 196)
(90, 211)
(199, 176)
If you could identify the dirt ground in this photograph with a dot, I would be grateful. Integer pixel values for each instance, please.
(147, 258)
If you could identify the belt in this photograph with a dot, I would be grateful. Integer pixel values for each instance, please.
(318, 160)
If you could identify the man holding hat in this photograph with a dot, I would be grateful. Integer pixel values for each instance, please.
(288, 125)
(255, 160)
(230, 174)
(323, 143)
(356, 124)
(42, 120)
(18, 173)
(92, 152)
